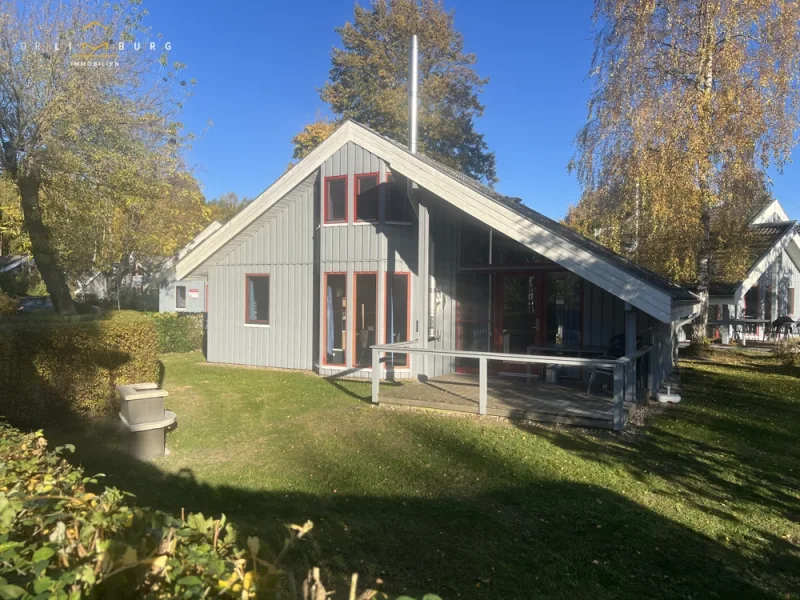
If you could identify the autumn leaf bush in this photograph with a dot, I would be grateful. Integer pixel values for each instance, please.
(179, 332)
(8, 305)
(62, 536)
(53, 366)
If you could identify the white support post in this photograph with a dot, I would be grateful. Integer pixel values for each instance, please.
(376, 375)
(630, 348)
(422, 291)
(725, 329)
(482, 383)
(618, 409)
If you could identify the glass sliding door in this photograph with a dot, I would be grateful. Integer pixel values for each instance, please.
(517, 314)
(564, 309)
(473, 316)
(398, 322)
(366, 316)
(335, 319)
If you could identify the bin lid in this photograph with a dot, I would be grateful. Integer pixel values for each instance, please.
(138, 391)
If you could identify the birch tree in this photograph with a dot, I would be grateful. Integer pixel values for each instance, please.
(88, 116)
(689, 98)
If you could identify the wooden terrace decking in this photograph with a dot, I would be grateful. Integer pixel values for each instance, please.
(511, 397)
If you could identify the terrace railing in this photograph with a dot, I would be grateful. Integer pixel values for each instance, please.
(627, 371)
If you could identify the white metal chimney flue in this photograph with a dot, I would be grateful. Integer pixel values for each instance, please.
(413, 91)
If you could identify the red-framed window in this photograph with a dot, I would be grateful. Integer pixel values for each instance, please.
(365, 298)
(366, 203)
(336, 199)
(398, 208)
(335, 320)
(398, 315)
(256, 298)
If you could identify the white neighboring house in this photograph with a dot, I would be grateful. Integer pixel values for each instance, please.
(769, 289)
(187, 295)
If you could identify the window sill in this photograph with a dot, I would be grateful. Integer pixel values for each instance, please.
(336, 224)
(398, 222)
(366, 222)
(256, 324)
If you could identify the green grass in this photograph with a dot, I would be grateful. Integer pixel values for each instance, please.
(704, 503)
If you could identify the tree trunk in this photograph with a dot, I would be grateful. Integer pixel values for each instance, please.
(44, 254)
(705, 78)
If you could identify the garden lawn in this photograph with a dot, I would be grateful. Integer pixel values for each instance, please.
(703, 503)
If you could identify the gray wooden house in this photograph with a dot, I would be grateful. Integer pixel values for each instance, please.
(768, 290)
(184, 295)
(365, 248)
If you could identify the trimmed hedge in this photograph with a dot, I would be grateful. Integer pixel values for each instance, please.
(179, 332)
(60, 540)
(52, 366)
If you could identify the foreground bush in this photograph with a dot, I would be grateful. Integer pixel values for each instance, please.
(52, 366)
(179, 332)
(8, 305)
(60, 540)
(787, 351)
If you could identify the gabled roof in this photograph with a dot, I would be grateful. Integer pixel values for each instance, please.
(643, 289)
(13, 261)
(201, 237)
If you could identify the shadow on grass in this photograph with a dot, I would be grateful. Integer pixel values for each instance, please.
(527, 537)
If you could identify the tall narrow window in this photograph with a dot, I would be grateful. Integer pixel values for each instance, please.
(397, 315)
(790, 301)
(366, 316)
(257, 299)
(180, 296)
(398, 208)
(335, 318)
(336, 199)
(751, 303)
(367, 197)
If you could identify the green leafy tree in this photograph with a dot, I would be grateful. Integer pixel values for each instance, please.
(86, 127)
(368, 83)
(227, 206)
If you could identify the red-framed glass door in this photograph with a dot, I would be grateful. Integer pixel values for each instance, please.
(518, 315)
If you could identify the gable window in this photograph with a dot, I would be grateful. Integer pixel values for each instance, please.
(367, 197)
(336, 199)
(180, 296)
(790, 301)
(398, 208)
(256, 310)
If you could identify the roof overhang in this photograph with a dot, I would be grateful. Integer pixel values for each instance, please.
(590, 266)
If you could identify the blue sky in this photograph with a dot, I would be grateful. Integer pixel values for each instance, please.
(259, 65)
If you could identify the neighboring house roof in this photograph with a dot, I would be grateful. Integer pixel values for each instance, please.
(13, 261)
(643, 289)
(767, 240)
(172, 260)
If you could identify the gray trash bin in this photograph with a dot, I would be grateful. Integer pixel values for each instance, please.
(143, 415)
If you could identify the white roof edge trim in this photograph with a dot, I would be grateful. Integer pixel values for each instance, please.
(761, 216)
(685, 310)
(762, 265)
(626, 287)
(284, 184)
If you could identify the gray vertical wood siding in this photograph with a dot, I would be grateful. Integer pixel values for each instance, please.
(166, 296)
(282, 245)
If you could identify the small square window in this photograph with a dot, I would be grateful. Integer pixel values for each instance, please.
(257, 301)
(398, 207)
(336, 199)
(180, 296)
(367, 197)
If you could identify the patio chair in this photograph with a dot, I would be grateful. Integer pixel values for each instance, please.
(786, 323)
(616, 349)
